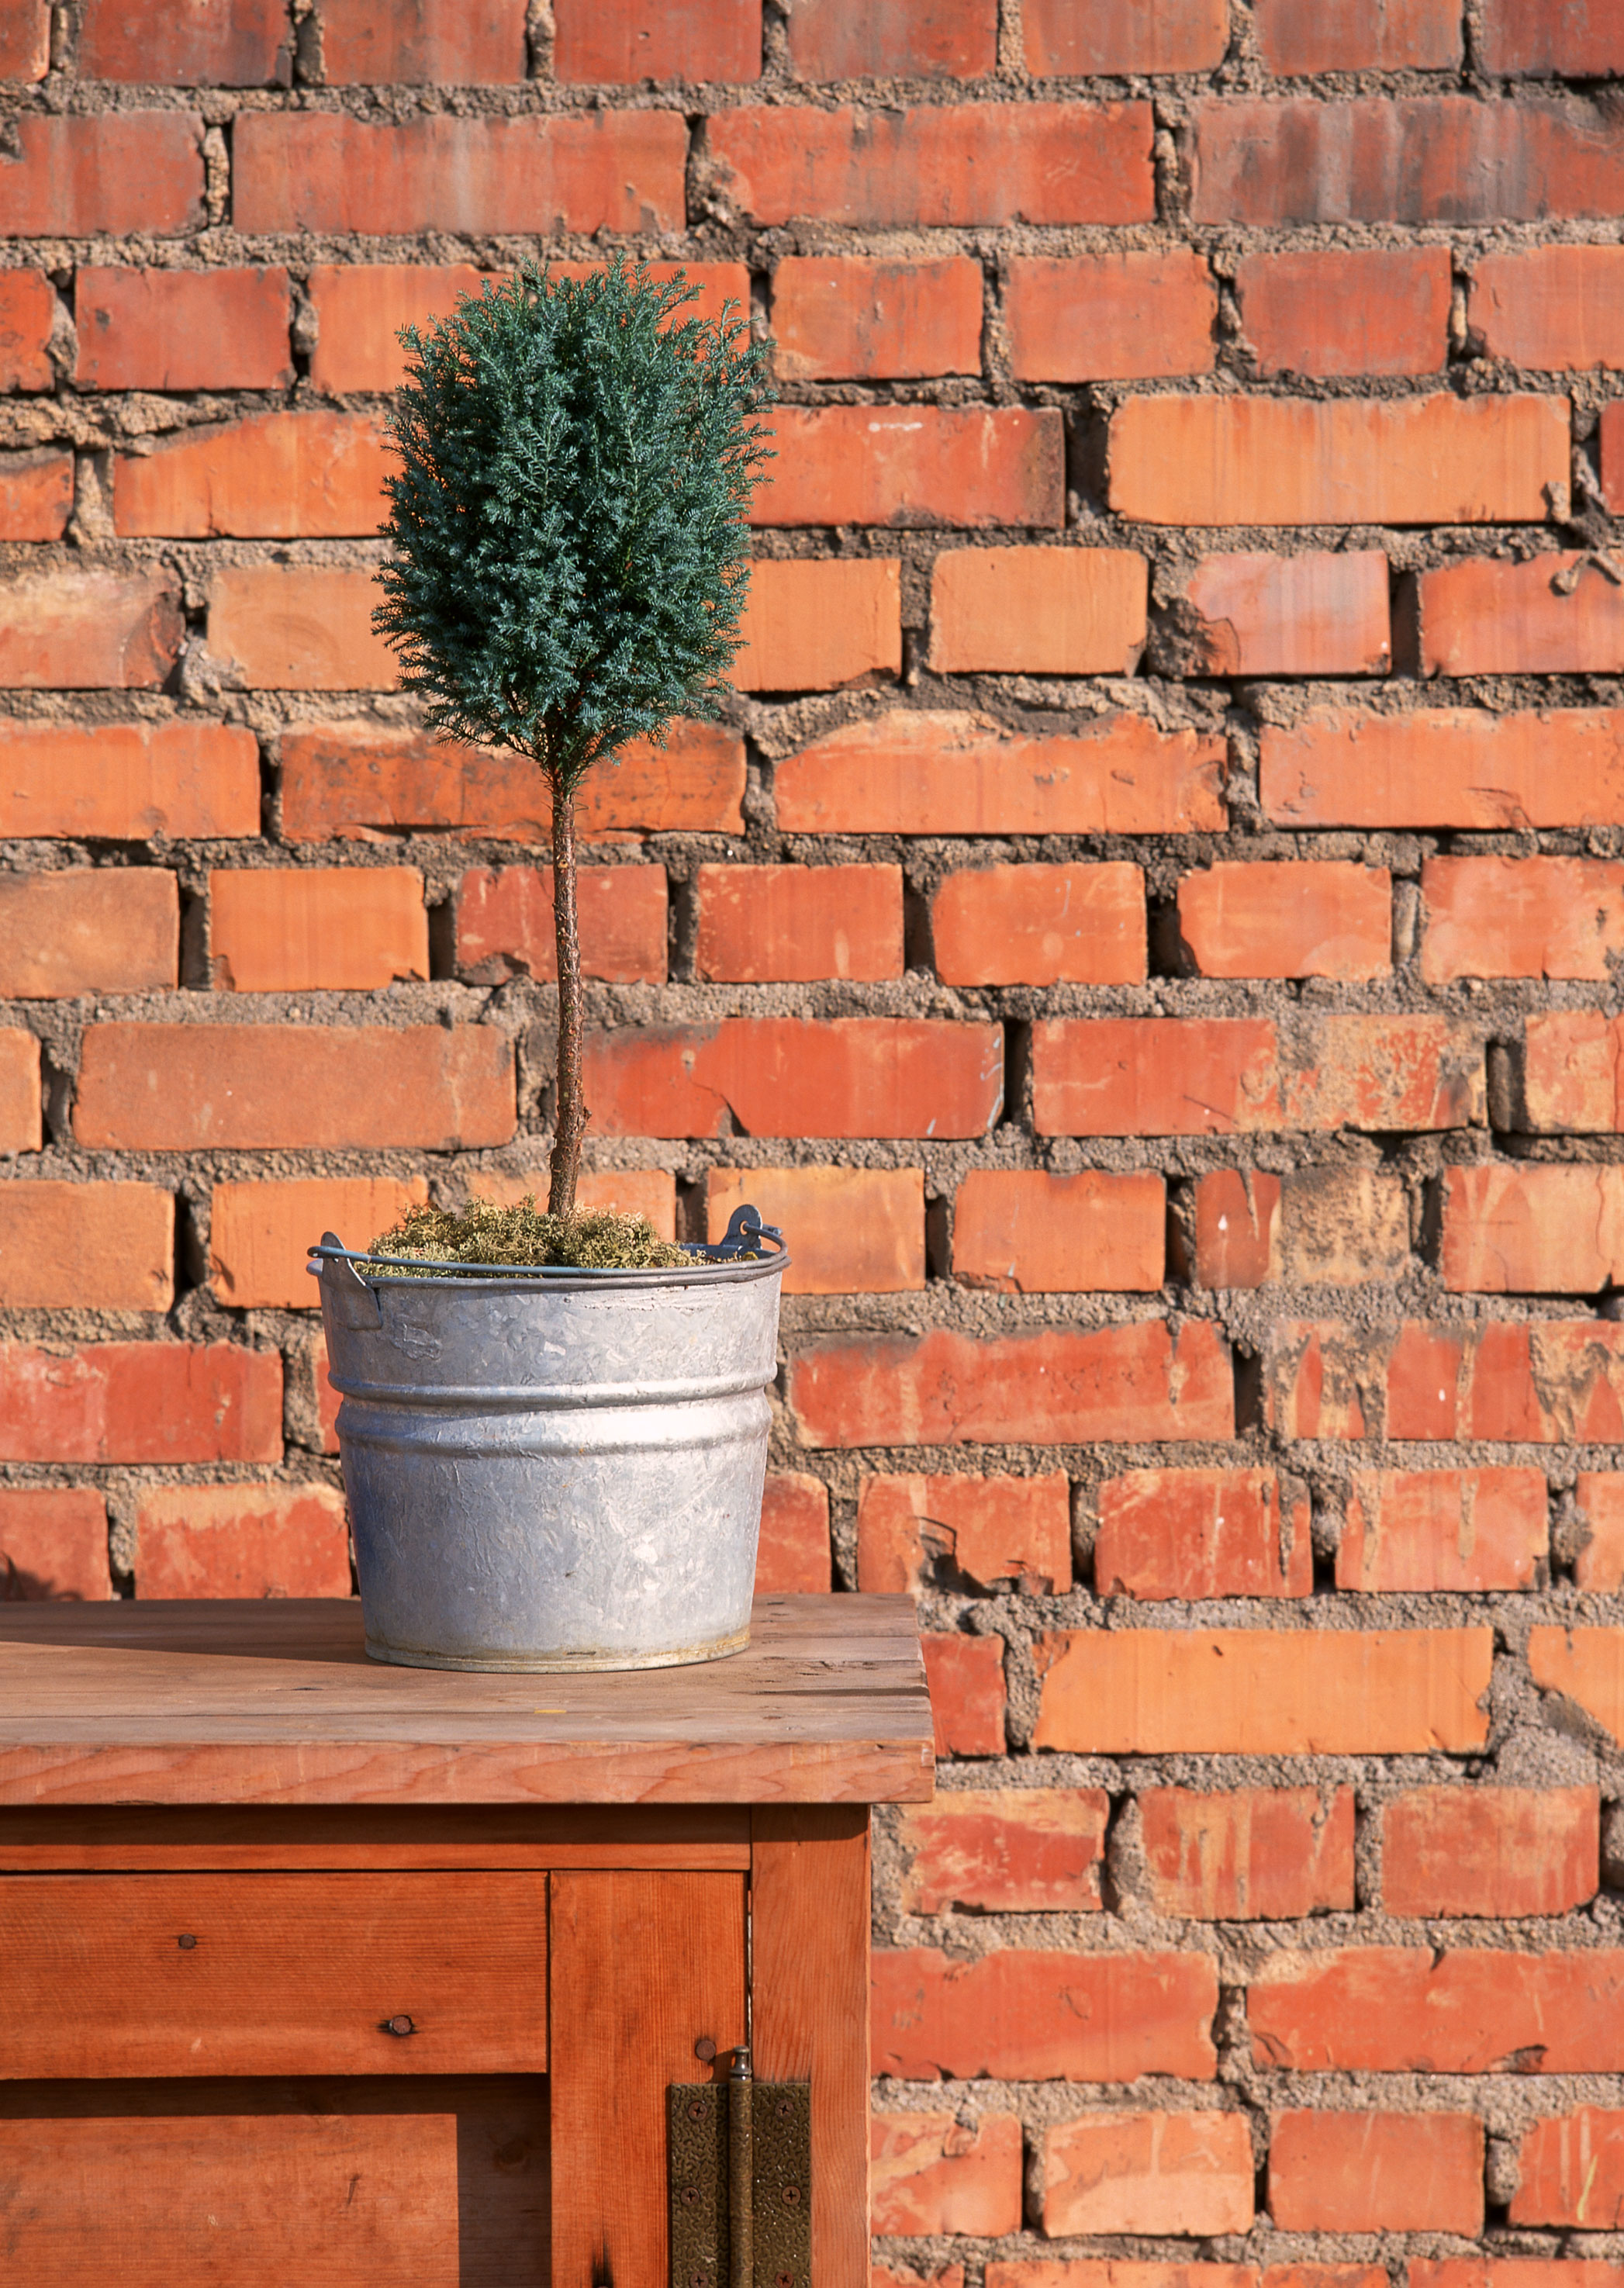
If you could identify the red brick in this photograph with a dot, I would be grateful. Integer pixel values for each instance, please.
(1444, 1530)
(87, 631)
(582, 171)
(1039, 611)
(53, 1545)
(1582, 1666)
(242, 1541)
(261, 1234)
(850, 1231)
(781, 924)
(1331, 1227)
(1005, 1850)
(88, 929)
(865, 318)
(140, 1402)
(86, 1247)
(175, 330)
(983, 1530)
(812, 625)
(188, 1088)
(1331, 312)
(1078, 38)
(1573, 39)
(1323, 1692)
(1148, 2172)
(1352, 35)
(28, 310)
(296, 929)
(275, 476)
(944, 2276)
(1040, 925)
(244, 43)
(1250, 1854)
(1201, 1533)
(648, 1192)
(1111, 317)
(715, 40)
(363, 782)
(1521, 918)
(846, 39)
(965, 1675)
(1340, 460)
(1500, 1851)
(1376, 2173)
(1535, 1230)
(1021, 2015)
(36, 495)
(1446, 158)
(1512, 2272)
(24, 41)
(793, 1557)
(1321, 612)
(1555, 309)
(300, 627)
(1284, 918)
(504, 924)
(117, 171)
(428, 44)
(1482, 617)
(1555, 1382)
(1571, 1072)
(1137, 1382)
(1197, 1077)
(127, 782)
(1028, 1233)
(903, 772)
(1124, 2272)
(930, 2174)
(786, 1076)
(914, 465)
(1391, 2009)
(966, 163)
(1599, 1497)
(20, 1090)
(1571, 2171)
(1236, 1229)
(1446, 766)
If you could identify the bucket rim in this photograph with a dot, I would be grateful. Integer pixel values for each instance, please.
(734, 1258)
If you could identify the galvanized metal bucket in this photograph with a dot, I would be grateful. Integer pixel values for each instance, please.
(556, 1470)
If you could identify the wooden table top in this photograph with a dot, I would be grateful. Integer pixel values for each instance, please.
(275, 1702)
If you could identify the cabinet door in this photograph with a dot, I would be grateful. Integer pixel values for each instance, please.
(642, 1969)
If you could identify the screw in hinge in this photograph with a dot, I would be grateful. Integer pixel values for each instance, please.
(792, 2196)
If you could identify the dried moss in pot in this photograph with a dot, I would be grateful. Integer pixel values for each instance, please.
(523, 1236)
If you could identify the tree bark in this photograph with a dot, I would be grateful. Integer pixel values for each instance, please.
(570, 1116)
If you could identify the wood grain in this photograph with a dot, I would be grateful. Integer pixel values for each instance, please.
(62, 1838)
(642, 1966)
(275, 1702)
(244, 2184)
(809, 1983)
(288, 1974)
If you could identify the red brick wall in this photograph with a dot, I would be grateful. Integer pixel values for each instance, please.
(1149, 927)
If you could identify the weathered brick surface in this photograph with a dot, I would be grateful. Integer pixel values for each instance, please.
(1144, 923)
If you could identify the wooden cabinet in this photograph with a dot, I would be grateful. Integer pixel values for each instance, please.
(316, 1971)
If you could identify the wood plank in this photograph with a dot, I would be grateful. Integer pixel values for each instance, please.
(61, 1839)
(246, 2184)
(808, 1981)
(642, 1966)
(288, 1974)
(275, 1702)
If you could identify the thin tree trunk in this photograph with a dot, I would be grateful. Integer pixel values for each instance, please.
(571, 1115)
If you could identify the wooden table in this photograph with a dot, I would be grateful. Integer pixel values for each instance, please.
(319, 1971)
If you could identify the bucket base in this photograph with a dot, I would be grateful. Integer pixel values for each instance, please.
(558, 1664)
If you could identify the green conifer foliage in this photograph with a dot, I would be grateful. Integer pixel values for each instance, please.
(570, 546)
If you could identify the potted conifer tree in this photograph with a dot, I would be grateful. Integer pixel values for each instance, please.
(554, 1427)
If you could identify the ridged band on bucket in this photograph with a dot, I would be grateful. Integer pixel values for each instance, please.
(556, 1470)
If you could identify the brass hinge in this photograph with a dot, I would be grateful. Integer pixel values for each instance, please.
(739, 2159)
